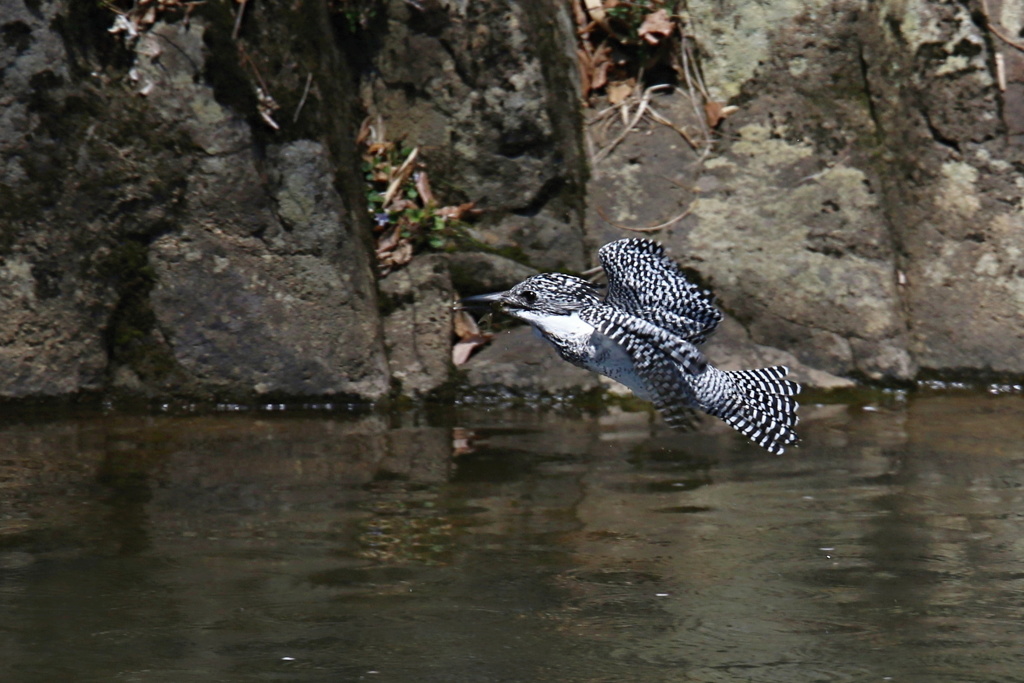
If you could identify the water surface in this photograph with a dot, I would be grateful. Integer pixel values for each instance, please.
(490, 545)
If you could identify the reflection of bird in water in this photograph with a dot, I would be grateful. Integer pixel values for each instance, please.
(645, 333)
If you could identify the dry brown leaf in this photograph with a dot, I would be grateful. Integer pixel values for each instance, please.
(423, 187)
(601, 62)
(586, 67)
(469, 334)
(365, 128)
(600, 77)
(716, 112)
(388, 240)
(402, 254)
(595, 8)
(457, 213)
(401, 175)
(618, 92)
(462, 350)
(462, 441)
(713, 113)
(464, 325)
(579, 15)
(401, 204)
(656, 27)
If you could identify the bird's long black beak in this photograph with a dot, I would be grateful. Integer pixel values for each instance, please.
(482, 300)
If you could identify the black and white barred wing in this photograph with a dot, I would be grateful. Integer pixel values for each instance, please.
(664, 363)
(760, 404)
(644, 282)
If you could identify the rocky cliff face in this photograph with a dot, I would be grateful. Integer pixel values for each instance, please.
(182, 212)
(158, 235)
(862, 207)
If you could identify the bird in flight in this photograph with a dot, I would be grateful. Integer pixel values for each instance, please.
(645, 333)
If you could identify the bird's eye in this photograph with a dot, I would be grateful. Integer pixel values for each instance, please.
(529, 296)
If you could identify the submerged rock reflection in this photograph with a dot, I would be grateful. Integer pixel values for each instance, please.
(113, 481)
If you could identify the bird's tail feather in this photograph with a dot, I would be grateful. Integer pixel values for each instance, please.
(764, 407)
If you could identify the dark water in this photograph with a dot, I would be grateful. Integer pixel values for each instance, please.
(496, 546)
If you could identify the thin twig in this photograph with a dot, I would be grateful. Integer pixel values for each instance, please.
(680, 185)
(693, 77)
(823, 172)
(305, 94)
(238, 19)
(650, 228)
(626, 128)
(632, 122)
(999, 34)
(604, 113)
(1000, 60)
(695, 71)
(1005, 38)
(252, 65)
(658, 118)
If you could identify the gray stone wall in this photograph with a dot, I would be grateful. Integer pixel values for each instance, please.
(183, 213)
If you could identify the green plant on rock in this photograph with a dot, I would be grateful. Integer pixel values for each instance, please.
(407, 217)
(358, 14)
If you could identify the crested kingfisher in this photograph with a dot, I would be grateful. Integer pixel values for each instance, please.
(645, 333)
